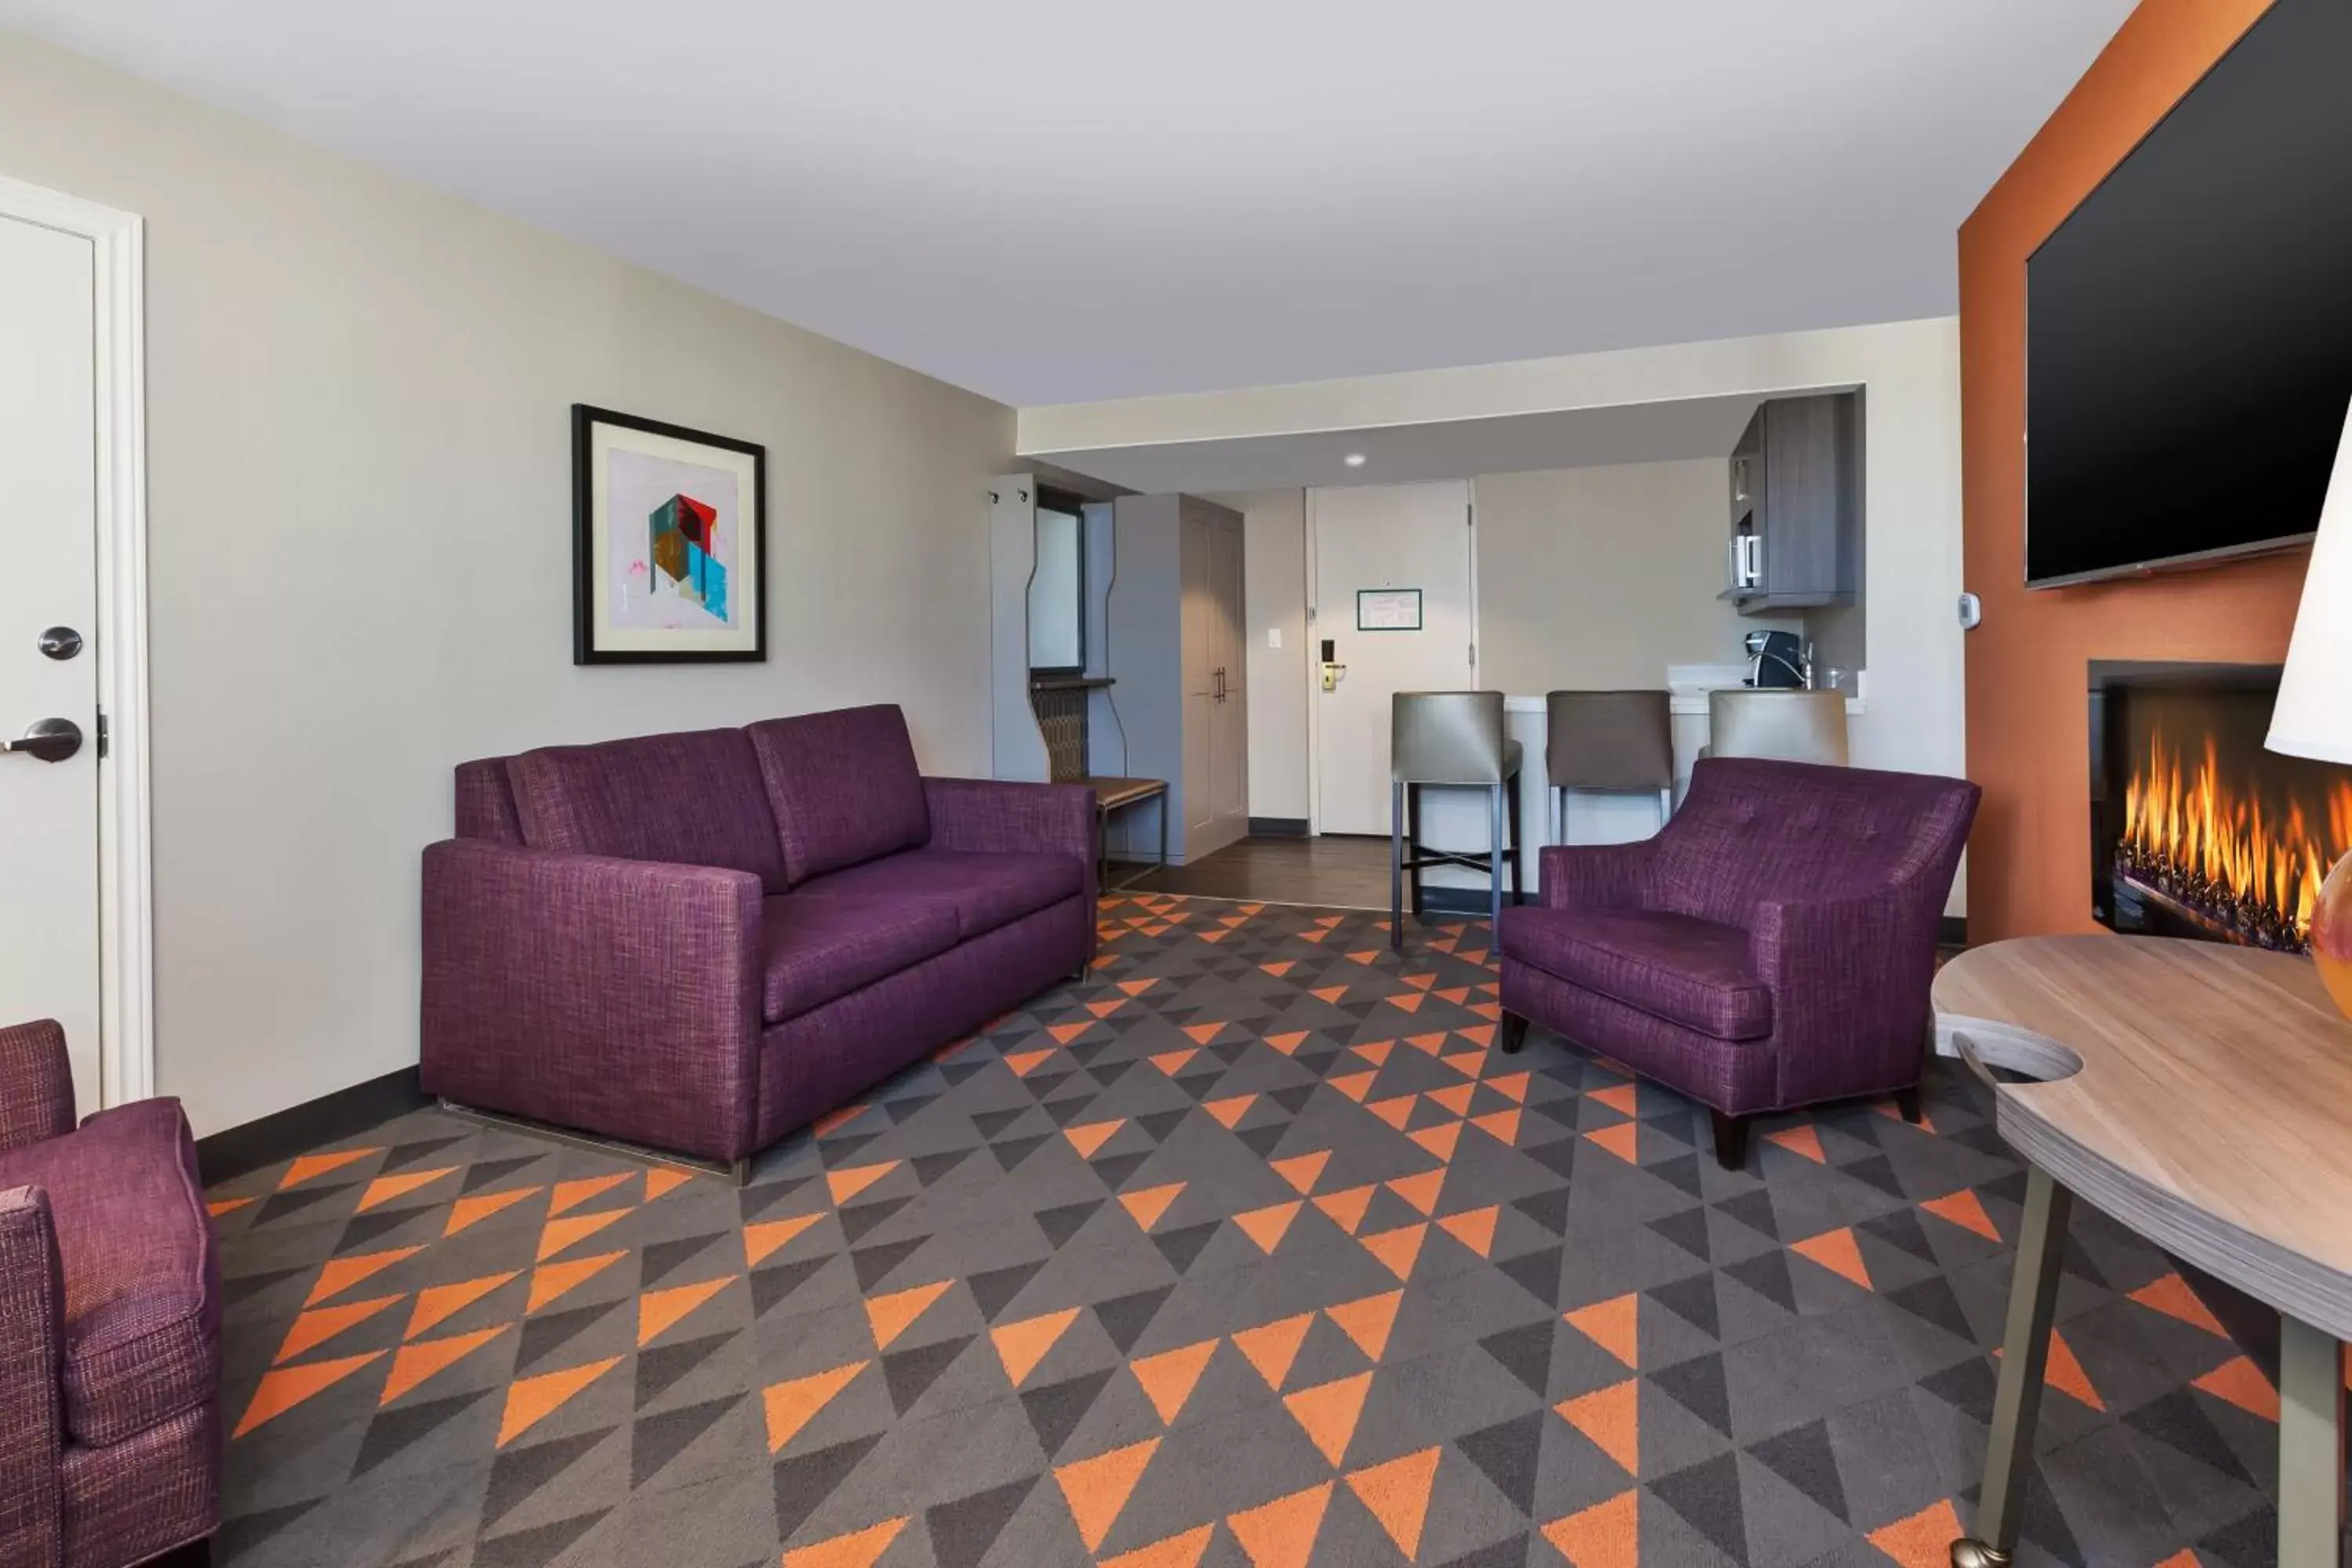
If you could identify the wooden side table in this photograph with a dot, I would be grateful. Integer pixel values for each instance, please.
(1112, 795)
(2201, 1095)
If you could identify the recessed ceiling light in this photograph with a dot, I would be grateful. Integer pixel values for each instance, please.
(1354, 460)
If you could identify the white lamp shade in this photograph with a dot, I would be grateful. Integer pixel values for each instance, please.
(2313, 716)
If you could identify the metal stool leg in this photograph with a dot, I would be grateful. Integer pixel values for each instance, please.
(2025, 1356)
(1511, 802)
(1495, 856)
(1396, 865)
(1412, 845)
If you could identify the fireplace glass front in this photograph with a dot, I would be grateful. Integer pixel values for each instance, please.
(2196, 830)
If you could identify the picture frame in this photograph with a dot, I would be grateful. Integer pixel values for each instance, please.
(669, 542)
(1388, 609)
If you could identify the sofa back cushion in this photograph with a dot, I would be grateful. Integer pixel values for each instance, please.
(1752, 831)
(690, 800)
(844, 787)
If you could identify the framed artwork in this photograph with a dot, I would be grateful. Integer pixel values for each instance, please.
(1388, 609)
(670, 543)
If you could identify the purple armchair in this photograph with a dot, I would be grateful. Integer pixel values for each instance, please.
(1771, 948)
(109, 1325)
(700, 942)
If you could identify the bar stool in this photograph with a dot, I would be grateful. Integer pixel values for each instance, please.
(1787, 726)
(1617, 741)
(1450, 738)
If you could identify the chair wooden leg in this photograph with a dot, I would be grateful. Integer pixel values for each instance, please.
(195, 1555)
(1907, 1101)
(1730, 1140)
(1513, 1037)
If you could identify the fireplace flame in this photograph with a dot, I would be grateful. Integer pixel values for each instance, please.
(2188, 822)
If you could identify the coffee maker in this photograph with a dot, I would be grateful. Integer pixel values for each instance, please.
(1777, 660)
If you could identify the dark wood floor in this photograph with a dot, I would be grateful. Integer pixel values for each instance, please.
(1332, 871)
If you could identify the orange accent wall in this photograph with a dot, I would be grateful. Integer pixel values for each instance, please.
(2027, 738)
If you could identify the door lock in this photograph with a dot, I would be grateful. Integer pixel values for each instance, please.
(50, 740)
(1332, 669)
(59, 642)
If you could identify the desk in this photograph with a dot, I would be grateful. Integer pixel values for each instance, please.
(2201, 1095)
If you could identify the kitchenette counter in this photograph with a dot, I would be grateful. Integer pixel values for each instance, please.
(1457, 820)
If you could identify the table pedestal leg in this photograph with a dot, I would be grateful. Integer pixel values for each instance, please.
(2025, 1354)
(2311, 1447)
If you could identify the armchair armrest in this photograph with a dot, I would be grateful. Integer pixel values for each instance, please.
(32, 1424)
(617, 996)
(1850, 978)
(36, 1093)
(1572, 875)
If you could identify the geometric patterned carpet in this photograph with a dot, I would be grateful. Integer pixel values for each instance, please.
(1246, 1251)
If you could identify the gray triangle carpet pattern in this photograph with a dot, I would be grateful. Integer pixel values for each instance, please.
(1248, 1251)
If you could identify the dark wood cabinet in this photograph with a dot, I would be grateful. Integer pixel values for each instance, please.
(1796, 505)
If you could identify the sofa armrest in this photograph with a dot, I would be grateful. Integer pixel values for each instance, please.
(1587, 876)
(32, 1422)
(618, 996)
(36, 1092)
(1850, 978)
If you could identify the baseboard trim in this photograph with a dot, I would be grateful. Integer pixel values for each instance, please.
(1277, 826)
(1459, 901)
(299, 1128)
(1952, 931)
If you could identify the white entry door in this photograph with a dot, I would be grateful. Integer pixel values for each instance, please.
(1374, 546)
(48, 603)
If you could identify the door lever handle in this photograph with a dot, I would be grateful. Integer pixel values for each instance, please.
(50, 740)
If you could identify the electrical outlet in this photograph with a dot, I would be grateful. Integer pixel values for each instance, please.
(1273, 637)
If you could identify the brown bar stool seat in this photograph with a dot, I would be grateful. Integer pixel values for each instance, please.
(1454, 739)
(1615, 740)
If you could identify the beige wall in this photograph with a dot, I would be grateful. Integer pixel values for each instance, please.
(1910, 371)
(360, 505)
(1274, 543)
(1604, 576)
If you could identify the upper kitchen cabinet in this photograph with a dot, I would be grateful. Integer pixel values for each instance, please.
(1796, 505)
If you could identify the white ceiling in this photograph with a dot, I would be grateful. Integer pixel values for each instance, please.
(1063, 200)
(1413, 454)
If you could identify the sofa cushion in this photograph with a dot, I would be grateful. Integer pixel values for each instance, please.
(142, 1286)
(689, 799)
(986, 888)
(816, 949)
(844, 787)
(1686, 971)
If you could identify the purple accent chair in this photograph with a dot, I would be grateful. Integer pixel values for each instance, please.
(1771, 948)
(109, 1325)
(700, 942)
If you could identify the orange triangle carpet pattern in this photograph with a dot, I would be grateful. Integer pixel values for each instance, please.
(1248, 1251)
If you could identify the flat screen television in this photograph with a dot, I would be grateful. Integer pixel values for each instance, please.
(2189, 336)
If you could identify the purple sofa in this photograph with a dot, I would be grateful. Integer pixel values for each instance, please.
(1771, 948)
(109, 1325)
(698, 942)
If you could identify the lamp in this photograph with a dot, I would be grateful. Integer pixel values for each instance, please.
(2313, 714)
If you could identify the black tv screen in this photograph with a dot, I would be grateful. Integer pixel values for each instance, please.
(2189, 337)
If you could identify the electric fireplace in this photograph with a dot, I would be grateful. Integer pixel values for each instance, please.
(2196, 830)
